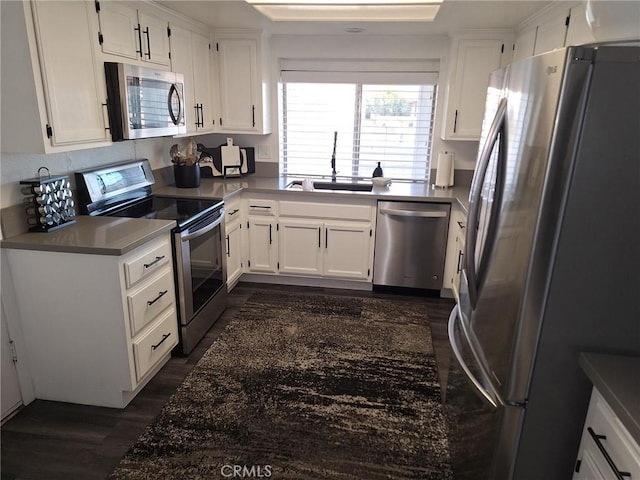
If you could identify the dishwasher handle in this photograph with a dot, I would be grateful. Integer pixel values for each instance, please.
(414, 213)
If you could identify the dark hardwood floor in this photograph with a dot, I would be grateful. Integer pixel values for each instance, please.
(53, 440)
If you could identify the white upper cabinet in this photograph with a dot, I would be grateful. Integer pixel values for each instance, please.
(191, 56)
(551, 34)
(203, 76)
(155, 38)
(53, 89)
(525, 44)
(119, 30)
(140, 35)
(473, 60)
(243, 82)
(579, 31)
(555, 26)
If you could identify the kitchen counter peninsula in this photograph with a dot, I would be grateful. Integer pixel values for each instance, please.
(93, 235)
(617, 378)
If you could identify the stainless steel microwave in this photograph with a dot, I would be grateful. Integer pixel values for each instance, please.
(143, 102)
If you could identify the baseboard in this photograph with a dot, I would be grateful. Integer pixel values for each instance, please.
(306, 281)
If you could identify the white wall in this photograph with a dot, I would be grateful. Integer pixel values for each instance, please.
(372, 47)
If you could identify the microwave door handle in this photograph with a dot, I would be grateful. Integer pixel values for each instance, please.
(204, 230)
(497, 127)
(174, 91)
(484, 393)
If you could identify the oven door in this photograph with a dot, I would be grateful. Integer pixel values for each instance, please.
(200, 268)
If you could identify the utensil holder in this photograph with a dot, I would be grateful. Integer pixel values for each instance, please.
(187, 176)
(48, 202)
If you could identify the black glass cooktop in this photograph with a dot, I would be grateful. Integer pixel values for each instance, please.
(183, 210)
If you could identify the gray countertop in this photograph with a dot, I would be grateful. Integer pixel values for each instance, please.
(617, 378)
(93, 235)
(398, 190)
(116, 236)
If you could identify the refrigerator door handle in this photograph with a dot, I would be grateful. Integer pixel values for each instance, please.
(492, 397)
(475, 276)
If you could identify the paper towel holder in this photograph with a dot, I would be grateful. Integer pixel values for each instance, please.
(444, 171)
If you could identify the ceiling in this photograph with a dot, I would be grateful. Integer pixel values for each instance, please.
(454, 16)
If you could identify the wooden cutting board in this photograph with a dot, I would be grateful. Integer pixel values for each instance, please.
(230, 156)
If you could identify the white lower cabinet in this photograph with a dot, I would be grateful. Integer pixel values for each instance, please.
(455, 250)
(348, 250)
(263, 244)
(234, 253)
(233, 223)
(262, 235)
(328, 240)
(328, 249)
(301, 250)
(607, 449)
(96, 327)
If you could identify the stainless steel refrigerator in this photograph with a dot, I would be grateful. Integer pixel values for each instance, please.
(552, 258)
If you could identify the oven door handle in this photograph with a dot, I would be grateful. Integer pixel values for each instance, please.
(202, 231)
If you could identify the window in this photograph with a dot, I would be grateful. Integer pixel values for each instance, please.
(390, 124)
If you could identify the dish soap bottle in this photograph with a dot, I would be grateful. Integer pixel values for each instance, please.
(377, 172)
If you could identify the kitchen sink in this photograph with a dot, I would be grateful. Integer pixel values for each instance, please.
(350, 186)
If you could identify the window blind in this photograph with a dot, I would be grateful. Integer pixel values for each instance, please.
(375, 122)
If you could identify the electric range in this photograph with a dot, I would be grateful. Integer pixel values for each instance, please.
(199, 258)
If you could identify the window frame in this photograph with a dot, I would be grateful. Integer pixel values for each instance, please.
(355, 173)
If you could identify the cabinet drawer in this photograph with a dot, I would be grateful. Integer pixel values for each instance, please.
(262, 207)
(152, 345)
(147, 263)
(612, 437)
(147, 303)
(232, 212)
(325, 211)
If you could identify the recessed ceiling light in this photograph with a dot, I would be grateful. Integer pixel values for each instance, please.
(348, 10)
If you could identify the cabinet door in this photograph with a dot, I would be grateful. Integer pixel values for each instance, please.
(588, 467)
(459, 244)
(263, 245)
(10, 398)
(120, 30)
(348, 250)
(551, 34)
(182, 62)
(202, 73)
(455, 249)
(525, 44)
(74, 83)
(579, 31)
(475, 61)
(155, 39)
(238, 83)
(234, 253)
(300, 247)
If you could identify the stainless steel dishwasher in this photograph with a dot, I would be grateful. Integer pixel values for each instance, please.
(411, 240)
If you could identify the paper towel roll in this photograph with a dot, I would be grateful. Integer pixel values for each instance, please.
(444, 173)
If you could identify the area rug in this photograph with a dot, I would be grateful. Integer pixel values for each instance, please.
(305, 387)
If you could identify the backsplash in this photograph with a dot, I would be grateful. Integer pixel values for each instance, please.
(20, 166)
